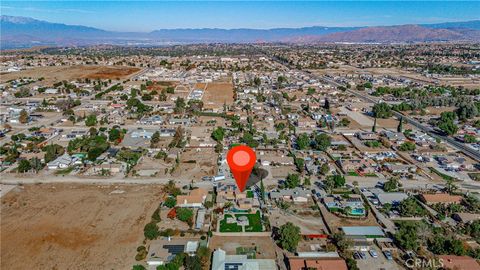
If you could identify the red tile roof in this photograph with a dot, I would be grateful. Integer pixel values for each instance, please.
(319, 264)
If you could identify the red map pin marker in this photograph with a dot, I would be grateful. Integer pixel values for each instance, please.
(241, 160)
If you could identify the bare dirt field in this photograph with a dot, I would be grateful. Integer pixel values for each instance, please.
(71, 226)
(265, 245)
(196, 163)
(309, 224)
(217, 94)
(55, 74)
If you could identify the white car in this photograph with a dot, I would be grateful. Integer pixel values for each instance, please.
(373, 253)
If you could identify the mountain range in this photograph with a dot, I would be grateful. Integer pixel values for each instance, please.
(23, 32)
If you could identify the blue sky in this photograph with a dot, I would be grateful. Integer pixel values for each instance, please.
(150, 15)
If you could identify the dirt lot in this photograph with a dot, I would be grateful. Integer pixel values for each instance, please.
(55, 74)
(217, 94)
(265, 245)
(196, 163)
(66, 226)
(309, 224)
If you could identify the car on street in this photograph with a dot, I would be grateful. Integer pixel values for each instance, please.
(388, 255)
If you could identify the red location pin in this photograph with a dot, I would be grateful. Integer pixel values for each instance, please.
(241, 160)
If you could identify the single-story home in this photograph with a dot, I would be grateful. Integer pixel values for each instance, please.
(195, 199)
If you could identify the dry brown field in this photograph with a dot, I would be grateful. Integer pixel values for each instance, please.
(217, 94)
(72, 226)
(68, 73)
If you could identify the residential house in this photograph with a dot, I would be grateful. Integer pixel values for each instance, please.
(62, 162)
(195, 199)
(295, 195)
(317, 263)
(222, 261)
(441, 198)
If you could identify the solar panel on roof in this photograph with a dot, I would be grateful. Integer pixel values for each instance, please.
(232, 266)
(174, 249)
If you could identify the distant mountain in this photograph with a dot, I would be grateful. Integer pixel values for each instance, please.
(399, 34)
(243, 35)
(475, 25)
(27, 26)
(18, 32)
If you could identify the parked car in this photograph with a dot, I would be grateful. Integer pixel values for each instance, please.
(373, 253)
(362, 255)
(388, 255)
(356, 256)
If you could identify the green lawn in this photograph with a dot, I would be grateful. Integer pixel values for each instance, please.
(254, 221)
(229, 227)
(352, 173)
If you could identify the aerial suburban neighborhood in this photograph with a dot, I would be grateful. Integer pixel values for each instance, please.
(367, 156)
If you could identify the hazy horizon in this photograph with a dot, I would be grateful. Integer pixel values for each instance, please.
(145, 16)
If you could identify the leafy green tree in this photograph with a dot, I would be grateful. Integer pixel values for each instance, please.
(322, 142)
(391, 185)
(24, 166)
(185, 214)
(382, 110)
(338, 180)
(114, 134)
(400, 125)
(52, 151)
(469, 138)
(179, 105)
(257, 82)
(448, 127)
(138, 267)
(248, 139)
(91, 120)
(410, 208)
(218, 134)
(292, 181)
(170, 202)
(36, 164)
(307, 182)
(324, 169)
(303, 141)
(155, 139)
(407, 146)
(289, 236)
(300, 164)
(406, 236)
(150, 231)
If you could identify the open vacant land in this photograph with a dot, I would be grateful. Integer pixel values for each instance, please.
(218, 94)
(65, 226)
(264, 245)
(60, 73)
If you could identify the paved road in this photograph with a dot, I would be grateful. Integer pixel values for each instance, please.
(452, 142)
